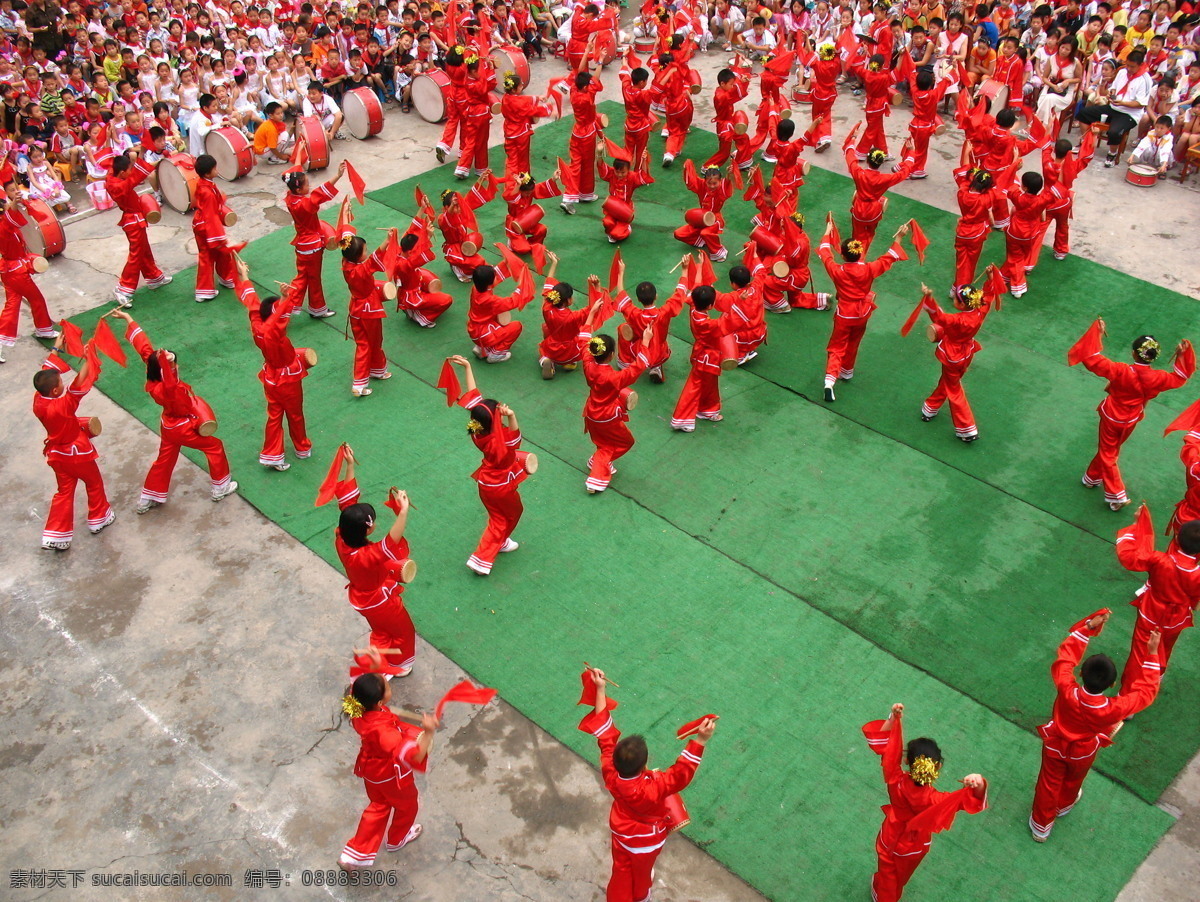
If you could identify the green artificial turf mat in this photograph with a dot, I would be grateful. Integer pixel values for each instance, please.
(702, 579)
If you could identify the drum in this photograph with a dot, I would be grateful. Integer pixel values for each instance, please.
(644, 44)
(308, 355)
(228, 216)
(629, 398)
(430, 91)
(316, 142)
(388, 289)
(1142, 176)
(329, 235)
(677, 816)
(729, 352)
(530, 217)
(940, 130)
(933, 332)
(204, 413)
(44, 235)
(625, 332)
(151, 208)
(177, 181)
(801, 95)
(39, 264)
(91, 425)
(694, 84)
(507, 58)
(528, 460)
(741, 122)
(700, 219)
(430, 282)
(769, 244)
(407, 571)
(602, 120)
(996, 92)
(780, 269)
(617, 210)
(785, 113)
(233, 152)
(897, 98)
(363, 112)
(470, 248)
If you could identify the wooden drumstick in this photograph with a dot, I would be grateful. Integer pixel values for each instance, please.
(606, 679)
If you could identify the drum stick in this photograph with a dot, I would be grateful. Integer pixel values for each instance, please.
(606, 679)
(675, 267)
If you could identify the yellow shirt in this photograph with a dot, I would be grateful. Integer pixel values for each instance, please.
(1139, 38)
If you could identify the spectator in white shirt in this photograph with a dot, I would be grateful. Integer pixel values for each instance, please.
(1128, 96)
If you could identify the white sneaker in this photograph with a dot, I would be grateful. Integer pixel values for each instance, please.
(146, 505)
(499, 358)
(124, 300)
(56, 546)
(509, 545)
(358, 393)
(282, 468)
(226, 492)
(112, 515)
(45, 333)
(159, 283)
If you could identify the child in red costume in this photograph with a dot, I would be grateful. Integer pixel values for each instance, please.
(672, 86)
(208, 227)
(489, 320)
(880, 81)
(1130, 388)
(494, 429)
(852, 282)
(1084, 721)
(68, 449)
(712, 190)
(926, 94)
(956, 348)
(282, 374)
(658, 351)
(1061, 165)
(732, 86)
(127, 174)
(392, 751)
(915, 810)
(701, 394)
(560, 324)
(16, 267)
(366, 310)
(1166, 602)
(375, 571)
(622, 180)
(476, 116)
(1026, 227)
(976, 192)
(460, 231)
(519, 112)
(870, 185)
(523, 221)
(606, 411)
(745, 304)
(827, 71)
(418, 291)
(638, 118)
(304, 204)
(179, 426)
(640, 820)
(584, 135)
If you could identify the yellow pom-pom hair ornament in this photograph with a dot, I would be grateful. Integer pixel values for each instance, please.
(512, 84)
(352, 707)
(855, 247)
(345, 241)
(474, 427)
(1148, 349)
(471, 59)
(971, 297)
(924, 771)
(447, 195)
(524, 180)
(798, 218)
(876, 157)
(553, 297)
(460, 49)
(874, 67)
(827, 51)
(598, 346)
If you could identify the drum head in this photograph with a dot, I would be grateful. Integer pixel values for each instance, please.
(428, 99)
(34, 239)
(219, 148)
(40, 264)
(631, 400)
(174, 187)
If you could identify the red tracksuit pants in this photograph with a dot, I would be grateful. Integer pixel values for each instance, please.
(454, 121)
(140, 262)
(516, 155)
(1018, 256)
(700, 397)
(210, 257)
(632, 874)
(731, 142)
(1104, 468)
(966, 256)
(635, 143)
(1059, 781)
(19, 286)
(842, 350)
(284, 400)
(369, 359)
(391, 626)
(708, 237)
(392, 800)
(69, 471)
(425, 306)
(1000, 211)
(497, 339)
(678, 123)
(1060, 221)
(789, 291)
(613, 440)
(308, 279)
(617, 231)
(582, 163)
(158, 481)
(823, 109)
(474, 144)
(892, 871)
(864, 229)
(921, 132)
(1138, 654)
(949, 389)
(504, 509)
(872, 136)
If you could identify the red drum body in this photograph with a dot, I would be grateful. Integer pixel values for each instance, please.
(694, 83)
(618, 210)
(431, 95)
(741, 122)
(996, 92)
(1142, 176)
(677, 816)
(311, 134)
(44, 235)
(507, 58)
(801, 95)
(530, 217)
(769, 244)
(329, 235)
(204, 413)
(177, 181)
(151, 208)
(729, 352)
(233, 152)
(699, 219)
(363, 112)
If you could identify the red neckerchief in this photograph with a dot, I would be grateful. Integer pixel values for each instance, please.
(1130, 79)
